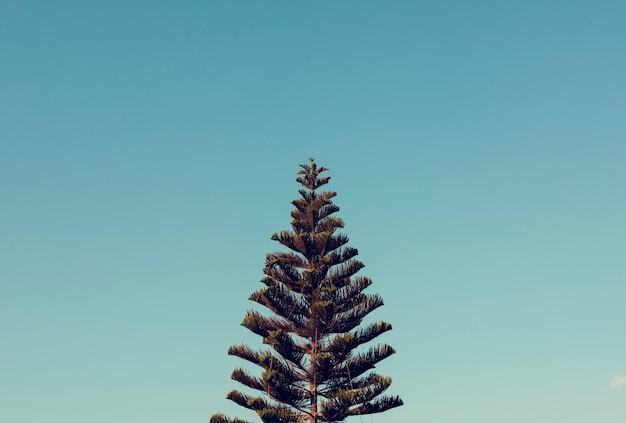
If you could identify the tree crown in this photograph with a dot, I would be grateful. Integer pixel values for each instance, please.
(314, 370)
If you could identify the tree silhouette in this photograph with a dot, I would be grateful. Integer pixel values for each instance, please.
(313, 368)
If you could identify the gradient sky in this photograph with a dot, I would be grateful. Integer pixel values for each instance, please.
(148, 150)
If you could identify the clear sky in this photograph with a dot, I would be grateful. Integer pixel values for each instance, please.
(148, 150)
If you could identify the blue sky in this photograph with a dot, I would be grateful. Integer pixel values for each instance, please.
(148, 150)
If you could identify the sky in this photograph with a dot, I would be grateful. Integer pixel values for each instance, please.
(148, 151)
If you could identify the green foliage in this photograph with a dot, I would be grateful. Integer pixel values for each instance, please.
(313, 370)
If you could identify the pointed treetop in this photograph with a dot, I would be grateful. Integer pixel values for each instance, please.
(310, 178)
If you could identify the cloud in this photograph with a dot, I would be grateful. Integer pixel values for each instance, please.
(617, 382)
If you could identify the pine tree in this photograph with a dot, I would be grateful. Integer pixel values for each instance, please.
(313, 368)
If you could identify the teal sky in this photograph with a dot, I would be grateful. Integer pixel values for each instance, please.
(148, 150)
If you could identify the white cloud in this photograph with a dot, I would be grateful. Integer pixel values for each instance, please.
(617, 382)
